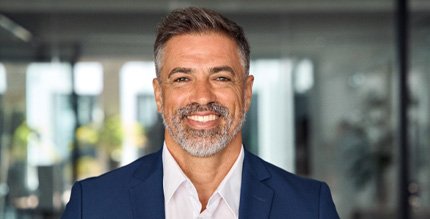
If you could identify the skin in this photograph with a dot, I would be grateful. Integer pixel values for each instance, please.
(203, 68)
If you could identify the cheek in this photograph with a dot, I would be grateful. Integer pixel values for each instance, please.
(234, 101)
(172, 101)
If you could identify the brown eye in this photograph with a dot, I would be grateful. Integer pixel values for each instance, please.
(181, 79)
(223, 79)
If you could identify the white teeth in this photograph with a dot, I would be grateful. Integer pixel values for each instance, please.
(203, 118)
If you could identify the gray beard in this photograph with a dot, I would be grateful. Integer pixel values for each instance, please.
(202, 143)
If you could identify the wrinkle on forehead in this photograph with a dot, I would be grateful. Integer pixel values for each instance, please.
(160, 59)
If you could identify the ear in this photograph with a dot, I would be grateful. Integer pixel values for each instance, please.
(158, 94)
(248, 91)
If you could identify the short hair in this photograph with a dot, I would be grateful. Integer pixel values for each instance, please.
(198, 20)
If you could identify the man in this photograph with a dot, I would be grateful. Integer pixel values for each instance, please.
(203, 90)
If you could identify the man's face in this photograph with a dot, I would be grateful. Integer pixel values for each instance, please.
(203, 92)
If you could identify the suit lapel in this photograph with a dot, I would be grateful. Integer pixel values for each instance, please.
(147, 196)
(255, 197)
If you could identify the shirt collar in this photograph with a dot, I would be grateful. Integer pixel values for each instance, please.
(173, 176)
(229, 188)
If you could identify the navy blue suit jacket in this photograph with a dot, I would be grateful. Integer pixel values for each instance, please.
(136, 191)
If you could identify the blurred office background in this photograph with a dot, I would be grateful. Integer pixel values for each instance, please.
(76, 96)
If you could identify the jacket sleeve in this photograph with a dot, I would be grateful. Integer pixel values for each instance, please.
(74, 207)
(327, 208)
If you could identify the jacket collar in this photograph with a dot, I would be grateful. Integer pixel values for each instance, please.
(146, 194)
(256, 198)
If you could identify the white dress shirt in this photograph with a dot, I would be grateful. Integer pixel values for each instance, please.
(182, 201)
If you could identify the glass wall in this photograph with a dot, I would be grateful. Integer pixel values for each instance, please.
(325, 106)
(345, 124)
(419, 112)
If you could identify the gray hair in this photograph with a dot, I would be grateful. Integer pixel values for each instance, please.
(198, 20)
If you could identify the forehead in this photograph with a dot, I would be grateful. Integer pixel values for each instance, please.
(205, 40)
(200, 49)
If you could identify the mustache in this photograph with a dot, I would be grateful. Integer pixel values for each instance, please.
(195, 107)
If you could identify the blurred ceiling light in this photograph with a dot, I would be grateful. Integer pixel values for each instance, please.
(15, 29)
(3, 83)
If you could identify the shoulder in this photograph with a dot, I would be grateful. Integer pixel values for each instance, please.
(123, 176)
(282, 181)
(108, 195)
(292, 194)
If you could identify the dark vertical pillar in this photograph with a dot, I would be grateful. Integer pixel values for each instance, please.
(402, 30)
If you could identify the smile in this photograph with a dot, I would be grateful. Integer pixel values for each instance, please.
(206, 118)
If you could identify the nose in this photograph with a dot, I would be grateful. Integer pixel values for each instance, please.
(203, 92)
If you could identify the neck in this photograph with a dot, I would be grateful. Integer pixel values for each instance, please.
(206, 173)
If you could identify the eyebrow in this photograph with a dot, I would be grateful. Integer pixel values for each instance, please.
(179, 70)
(222, 68)
(211, 70)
